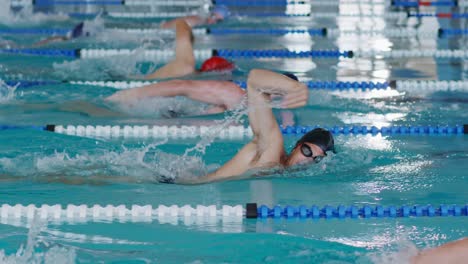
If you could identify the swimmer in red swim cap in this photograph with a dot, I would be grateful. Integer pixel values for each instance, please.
(216, 63)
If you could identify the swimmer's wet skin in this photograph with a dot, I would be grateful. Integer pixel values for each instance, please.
(266, 150)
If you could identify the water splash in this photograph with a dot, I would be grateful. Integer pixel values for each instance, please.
(25, 15)
(7, 93)
(108, 68)
(232, 117)
(27, 254)
(162, 107)
(126, 165)
(405, 252)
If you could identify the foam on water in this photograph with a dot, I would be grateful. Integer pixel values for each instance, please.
(163, 107)
(7, 93)
(136, 165)
(25, 16)
(108, 68)
(406, 250)
(27, 254)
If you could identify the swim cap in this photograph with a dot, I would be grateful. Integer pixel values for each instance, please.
(216, 63)
(291, 76)
(320, 137)
(221, 10)
(77, 30)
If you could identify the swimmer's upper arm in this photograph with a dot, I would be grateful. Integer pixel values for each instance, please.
(266, 148)
(453, 252)
(265, 129)
(184, 62)
(184, 39)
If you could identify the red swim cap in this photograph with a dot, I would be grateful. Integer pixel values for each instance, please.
(217, 64)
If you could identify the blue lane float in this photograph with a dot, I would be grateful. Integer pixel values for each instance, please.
(439, 15)
(231, 53)
(35, 31)
(319, 85)
(423, 3)
(320, 32)
(354, 212)
(266, 31)
(385, 130)
(68, 53)
(50, 3)
(336, 85)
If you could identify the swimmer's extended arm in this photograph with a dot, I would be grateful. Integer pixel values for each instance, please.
(184, 62)
(266, 148)
(220, 93)
(450, 253)
(192, 21)
(50, 40)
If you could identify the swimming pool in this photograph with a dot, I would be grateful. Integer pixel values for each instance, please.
(367, 169)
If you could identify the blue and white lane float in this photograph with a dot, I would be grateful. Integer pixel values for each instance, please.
(53, 3)
(220, 31)
(232, 132)
(203, 54)
(167, 54)
(145, 213)
(192, 3)
(399, 85)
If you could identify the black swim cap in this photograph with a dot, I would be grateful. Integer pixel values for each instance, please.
(77, 30)
(291, 76)
(320, 137)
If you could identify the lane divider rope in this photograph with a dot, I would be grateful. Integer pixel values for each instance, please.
(399, 85)
(52, 3)
(203, 54)
(200, 54)
(232, 132)
(226, 212)
(454, 3)
(219, 31)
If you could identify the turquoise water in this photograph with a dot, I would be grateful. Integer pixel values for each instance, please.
(45, 168)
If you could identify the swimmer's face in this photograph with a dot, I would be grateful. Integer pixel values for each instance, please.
(305, 153)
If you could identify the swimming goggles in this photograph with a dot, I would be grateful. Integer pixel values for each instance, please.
(307, 151)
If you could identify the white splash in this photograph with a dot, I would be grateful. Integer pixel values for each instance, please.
(26, 253)
(112, 67)
(7, 93)
(25, 16)
(406, 251)
(162, 107)
(232, 117)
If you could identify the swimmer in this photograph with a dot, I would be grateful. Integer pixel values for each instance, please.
(184, 62)
(451, 253)
(220, 95)
(218, 14)
(76, 32)
(266, 150)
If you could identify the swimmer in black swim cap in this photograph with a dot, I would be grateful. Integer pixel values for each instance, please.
(266, 149)
(312, 147)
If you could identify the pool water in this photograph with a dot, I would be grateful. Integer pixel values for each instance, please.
(41, 167)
